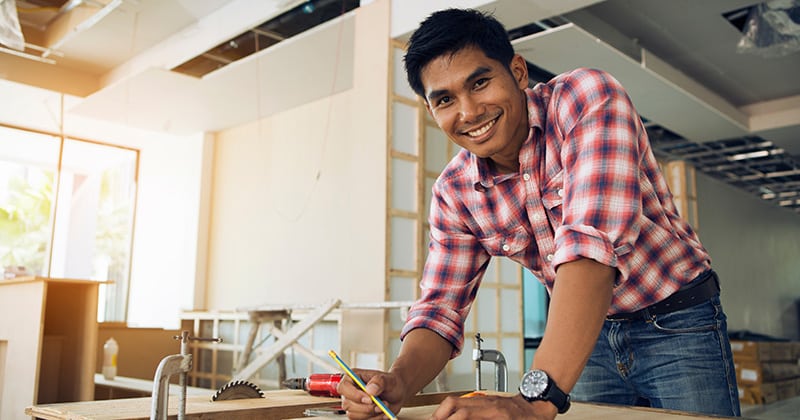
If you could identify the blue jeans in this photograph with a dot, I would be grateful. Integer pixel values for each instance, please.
(679, 361)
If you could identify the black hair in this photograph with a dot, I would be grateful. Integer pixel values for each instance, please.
(448, 32)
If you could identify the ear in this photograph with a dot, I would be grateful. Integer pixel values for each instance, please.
(428, 107)
(519, 68)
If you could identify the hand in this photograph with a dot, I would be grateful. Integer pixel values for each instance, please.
(359, 405)
(494, 407)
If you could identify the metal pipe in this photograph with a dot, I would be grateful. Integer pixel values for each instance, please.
(477, 355)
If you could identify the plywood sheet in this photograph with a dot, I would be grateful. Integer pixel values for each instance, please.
(276, 404)
(290, 404)
(579, 411)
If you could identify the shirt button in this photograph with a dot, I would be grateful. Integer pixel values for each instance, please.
(560, 192)
(526, 176)
(549, 257)
(537, 217)
(506, 248)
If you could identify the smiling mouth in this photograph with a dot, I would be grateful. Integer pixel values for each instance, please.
(482, 129)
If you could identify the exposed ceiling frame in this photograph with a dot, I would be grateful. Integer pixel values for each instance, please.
(70, 6)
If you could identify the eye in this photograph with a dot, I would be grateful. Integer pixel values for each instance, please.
(442, 101)
(481, 82)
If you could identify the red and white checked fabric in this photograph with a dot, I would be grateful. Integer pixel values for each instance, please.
(588, 186)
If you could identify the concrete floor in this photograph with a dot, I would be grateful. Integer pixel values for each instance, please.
(788, 409)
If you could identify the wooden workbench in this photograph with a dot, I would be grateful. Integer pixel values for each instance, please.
(290, 404)
(578, 411)
(280, 404)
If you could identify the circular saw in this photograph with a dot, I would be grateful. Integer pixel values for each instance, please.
(237, 390)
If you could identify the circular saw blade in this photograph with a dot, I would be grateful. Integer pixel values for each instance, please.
(237, 390)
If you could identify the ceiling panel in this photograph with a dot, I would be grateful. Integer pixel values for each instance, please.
(311, 66)
(670, 104)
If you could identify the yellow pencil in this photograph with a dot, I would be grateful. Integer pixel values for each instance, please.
(361, 384)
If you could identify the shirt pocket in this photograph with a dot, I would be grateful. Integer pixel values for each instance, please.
(507, 244)
(553, 197)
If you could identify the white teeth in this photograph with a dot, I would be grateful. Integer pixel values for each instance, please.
(481, 130)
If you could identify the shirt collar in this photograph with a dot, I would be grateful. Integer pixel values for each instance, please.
(481, 168)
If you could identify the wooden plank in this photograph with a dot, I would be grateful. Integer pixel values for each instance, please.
(578, 411)
(290, 404)
(276, 404)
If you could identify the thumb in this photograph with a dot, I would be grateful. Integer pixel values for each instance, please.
(373, 388)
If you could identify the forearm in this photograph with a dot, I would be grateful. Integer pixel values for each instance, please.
(422, 356)
(578, 304)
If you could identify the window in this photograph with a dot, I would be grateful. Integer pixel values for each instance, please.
(67, 210)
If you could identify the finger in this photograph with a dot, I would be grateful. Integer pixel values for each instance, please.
(348, 389)
(359, 411)
(375, 381)
(445, 409)
(473, 406)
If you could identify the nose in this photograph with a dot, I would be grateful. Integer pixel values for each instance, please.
(470, 109)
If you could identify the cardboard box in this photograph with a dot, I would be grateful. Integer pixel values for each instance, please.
(773, 351)
(769, 392)
(751, 372)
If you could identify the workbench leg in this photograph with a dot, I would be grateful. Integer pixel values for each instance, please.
(255, 323)
(280, 359)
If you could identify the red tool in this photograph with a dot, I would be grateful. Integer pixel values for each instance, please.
(318, 384)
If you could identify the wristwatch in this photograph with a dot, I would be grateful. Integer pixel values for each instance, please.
(536, 385)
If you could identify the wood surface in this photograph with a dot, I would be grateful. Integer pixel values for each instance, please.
(578, 411)
(583, 411)
(279, 404)
(290, 404)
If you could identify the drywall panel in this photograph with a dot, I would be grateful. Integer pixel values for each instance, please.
(302, 69)
(662, 95)
(407, 14)
(298, 207)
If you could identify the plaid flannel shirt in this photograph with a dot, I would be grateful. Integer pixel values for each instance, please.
(588, 186)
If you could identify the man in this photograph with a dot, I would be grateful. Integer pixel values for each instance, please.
(561, 179)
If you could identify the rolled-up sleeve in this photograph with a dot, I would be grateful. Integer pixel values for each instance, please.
(453, 271)
(600, 154)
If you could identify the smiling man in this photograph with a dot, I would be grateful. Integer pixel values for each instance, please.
(561, 179)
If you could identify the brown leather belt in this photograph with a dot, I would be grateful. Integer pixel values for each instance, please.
(706, 287)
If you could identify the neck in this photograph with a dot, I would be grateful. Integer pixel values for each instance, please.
(503, 166)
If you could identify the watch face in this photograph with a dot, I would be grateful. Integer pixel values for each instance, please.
(534, 383)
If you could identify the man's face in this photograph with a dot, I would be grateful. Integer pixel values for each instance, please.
(479, 104)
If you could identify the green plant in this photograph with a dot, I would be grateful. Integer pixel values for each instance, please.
(25, 222)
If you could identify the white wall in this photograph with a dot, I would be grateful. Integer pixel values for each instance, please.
(299, 200)
(755, 248)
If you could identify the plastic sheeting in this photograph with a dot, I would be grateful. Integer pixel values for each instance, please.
(10, 31)
(772, 29)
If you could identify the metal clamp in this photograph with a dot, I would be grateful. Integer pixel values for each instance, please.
(179, 364)
(494, 356)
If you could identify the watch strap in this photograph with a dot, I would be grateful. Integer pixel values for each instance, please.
(559, 398)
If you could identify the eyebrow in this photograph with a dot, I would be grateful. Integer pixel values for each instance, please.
(474, 75)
